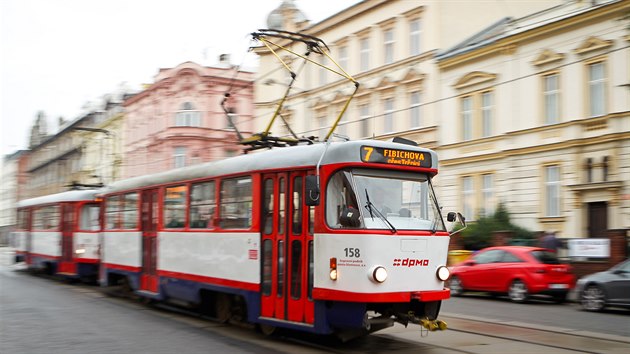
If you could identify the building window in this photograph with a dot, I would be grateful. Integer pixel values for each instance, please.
(605, 169)
(388, 49)
(365, 54)
(467, 118)
(476, 114)
(415, 32)
(343, 57)
(552, 191)
(187, 116)
(487, 194)
(486, 114)
(364, 111)
(589, 170)
(321, 125)
(551, 93)
(179, 157)
(468, 192)
(388, 123)
(323, 72)
(596, 89)
(415, 113)
(232, 119)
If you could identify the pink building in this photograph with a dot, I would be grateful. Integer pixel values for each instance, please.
(178, 120)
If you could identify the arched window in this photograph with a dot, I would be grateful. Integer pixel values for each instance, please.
(187, 116)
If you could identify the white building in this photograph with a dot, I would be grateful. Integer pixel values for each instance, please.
(536, 114)
(529, 106)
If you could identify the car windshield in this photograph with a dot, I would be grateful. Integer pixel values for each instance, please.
(546, 257)
(382, 200)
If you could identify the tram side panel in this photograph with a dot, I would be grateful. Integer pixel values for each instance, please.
(45, 249)
(121, 257)
(225, 262)
(19, 244)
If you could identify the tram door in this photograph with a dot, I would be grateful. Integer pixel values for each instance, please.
(149, 278)
(67, 264)
(287, 237)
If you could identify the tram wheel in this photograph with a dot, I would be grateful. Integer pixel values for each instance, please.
(223, 308)
(266, 329)
(518, 291)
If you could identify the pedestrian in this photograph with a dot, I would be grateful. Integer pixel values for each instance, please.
(549, 241)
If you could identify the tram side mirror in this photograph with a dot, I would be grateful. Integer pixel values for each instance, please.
(312, 190)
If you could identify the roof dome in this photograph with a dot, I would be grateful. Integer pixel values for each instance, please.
(287, 12)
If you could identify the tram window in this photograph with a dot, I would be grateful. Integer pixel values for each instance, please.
(311, 220)
(89, 217)
(175, 207)
(130, 211)
(297, 206)
(281, 208)
(267, 267)
(280, 268)
(22, 223)
(112, 207)
(339, 196)
(296, 269)
(236, 203)
(310, 271)
(202, 205)
(46, 218)
(267, 212)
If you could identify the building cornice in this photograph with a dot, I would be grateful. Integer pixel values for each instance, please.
(507, 45)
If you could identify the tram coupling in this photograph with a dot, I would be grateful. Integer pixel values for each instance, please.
(431, 325)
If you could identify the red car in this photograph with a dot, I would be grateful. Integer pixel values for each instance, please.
(516, 270)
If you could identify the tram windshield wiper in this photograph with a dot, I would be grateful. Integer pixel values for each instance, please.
(372, 209)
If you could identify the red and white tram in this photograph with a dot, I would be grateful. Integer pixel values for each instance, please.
(60, 233)
(343, 237)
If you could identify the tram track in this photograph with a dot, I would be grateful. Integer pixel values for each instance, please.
(466, 334)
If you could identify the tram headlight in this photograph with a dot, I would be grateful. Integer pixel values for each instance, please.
(443, 273)
(79, 251)
(379, 274)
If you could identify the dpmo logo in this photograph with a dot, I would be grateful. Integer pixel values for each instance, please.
(410, 262)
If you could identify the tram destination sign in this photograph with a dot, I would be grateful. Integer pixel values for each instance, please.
(395, 156)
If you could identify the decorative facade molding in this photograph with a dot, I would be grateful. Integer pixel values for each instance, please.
(547, 56)
(473, 79)
(592, 44)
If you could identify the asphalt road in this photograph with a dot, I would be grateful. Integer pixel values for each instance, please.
(539, 312)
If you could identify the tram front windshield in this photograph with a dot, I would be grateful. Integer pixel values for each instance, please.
(378, 199)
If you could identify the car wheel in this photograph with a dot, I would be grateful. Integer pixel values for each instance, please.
(518, 291)
(593, 298)
(455, 284)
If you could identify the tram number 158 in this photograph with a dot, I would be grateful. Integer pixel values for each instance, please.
(352, 252)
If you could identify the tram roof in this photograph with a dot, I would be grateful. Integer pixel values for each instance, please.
(69, 196)
(287, 157)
